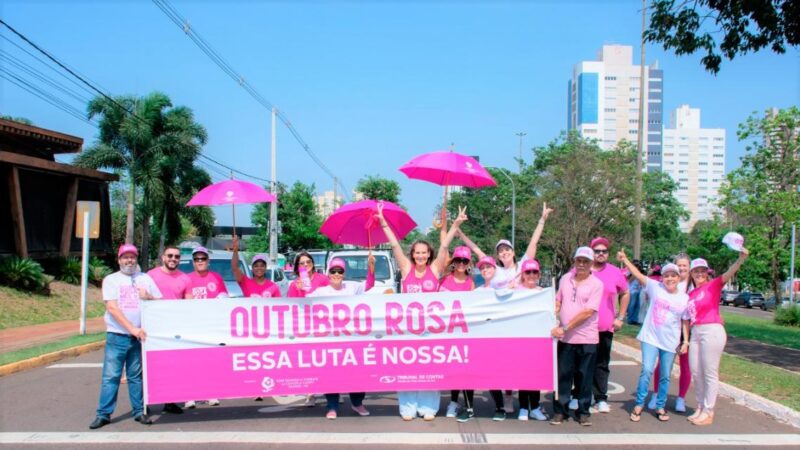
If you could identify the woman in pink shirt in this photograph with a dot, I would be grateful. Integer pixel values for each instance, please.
(529, 400)
(708, 336)
(259, 285)
(304, 262)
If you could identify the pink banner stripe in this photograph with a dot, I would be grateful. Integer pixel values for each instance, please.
(373, 366)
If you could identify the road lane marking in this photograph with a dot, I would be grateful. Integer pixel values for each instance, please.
(76, 366)
(372, 439)
(623, 362)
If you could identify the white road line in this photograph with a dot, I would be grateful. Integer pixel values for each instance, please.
(237, 437)
(623, 362)
(75, 366)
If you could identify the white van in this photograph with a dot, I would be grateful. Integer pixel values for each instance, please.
(387, 276)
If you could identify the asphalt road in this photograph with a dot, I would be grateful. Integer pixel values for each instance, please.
(751, 312)
(52, 407)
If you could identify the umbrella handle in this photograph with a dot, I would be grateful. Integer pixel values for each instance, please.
(233, 210)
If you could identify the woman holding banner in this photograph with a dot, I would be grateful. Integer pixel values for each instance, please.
(529, 400)
(338, 287)
(420, 272)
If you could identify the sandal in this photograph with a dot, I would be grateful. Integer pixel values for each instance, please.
(636, 415)
(662, 415)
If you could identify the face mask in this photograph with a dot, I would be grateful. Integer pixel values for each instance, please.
(127, 270)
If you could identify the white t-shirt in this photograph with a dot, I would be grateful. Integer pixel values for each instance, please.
(662, 324)
(125, 290)
(348, 288)
(505, 275)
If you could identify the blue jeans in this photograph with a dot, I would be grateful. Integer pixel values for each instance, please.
(633, 307)
(651, 354)
(122, 350)
(413, 403)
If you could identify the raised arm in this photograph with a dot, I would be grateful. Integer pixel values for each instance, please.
(441, 257)
(370, 282)
(735, 266)
(623, 258)
(530, 252)
(472, 246)
(237, 272)
(402, 260)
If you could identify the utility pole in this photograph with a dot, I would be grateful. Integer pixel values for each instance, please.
(273, 207)
(637, 230)
(513, 205)
(521, 134)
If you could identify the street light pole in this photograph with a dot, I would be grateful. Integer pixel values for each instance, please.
(513, 204)
(521, 134)
(637, 229)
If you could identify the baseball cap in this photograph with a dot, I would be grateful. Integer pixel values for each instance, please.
(200, 249)
(599, 241)
(260, 257)
(670, 268)
(698, 262)
(127, 248)
(486, 260)
(505, 242)
(336, 262)
(529, 264)
(734, 241)
(584, 252)
(462, 252)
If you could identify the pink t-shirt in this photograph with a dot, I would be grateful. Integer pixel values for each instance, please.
(574, 298)
(704, 303)
(173, 286)
(614, 283)
(209, 285)
(318, 280)
(428, 283)
(250, 288)
(449, 283)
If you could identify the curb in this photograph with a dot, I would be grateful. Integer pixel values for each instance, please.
(740, 397)
(49, 358)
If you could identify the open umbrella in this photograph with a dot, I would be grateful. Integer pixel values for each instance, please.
(356, 223)
(231, 192)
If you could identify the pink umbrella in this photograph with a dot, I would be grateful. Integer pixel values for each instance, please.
(231, 192)
(357, 224)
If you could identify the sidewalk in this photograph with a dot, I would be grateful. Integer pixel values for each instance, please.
(783, 357)
(12, 339)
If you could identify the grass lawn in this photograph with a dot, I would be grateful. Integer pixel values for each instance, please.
(32, 352)
(761, 330)
(18, 308)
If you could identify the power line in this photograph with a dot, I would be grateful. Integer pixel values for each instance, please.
(10, 59)
(46, 96)
(206, 48)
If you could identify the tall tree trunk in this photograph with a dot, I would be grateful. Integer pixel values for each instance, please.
(163, 232)
(129, 224)
(146, 242)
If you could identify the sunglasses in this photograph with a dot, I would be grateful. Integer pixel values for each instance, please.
(201, 259)
(601, 252)
(172, 256)
(531, 272)
(336, 271)
(460, 261)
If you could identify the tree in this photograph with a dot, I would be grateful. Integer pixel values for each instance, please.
(745, 26)
(22, 120)
(379, 188)
(661, 234)
(761, 196)
(300, 221)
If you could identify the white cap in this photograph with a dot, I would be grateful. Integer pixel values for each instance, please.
(670, 268)
(734, 241)
(698, 262)
(584, 252)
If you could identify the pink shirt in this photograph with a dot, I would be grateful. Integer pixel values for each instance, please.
(614, 284)
(574, 298)
(210, 285)
(250, 288)
(428, 283)
(704, 303)
(449, 283)
(318, 280)
(173, 286)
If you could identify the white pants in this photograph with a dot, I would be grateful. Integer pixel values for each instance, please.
(705, 352)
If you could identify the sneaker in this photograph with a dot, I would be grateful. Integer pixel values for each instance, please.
(452, 409)
(603, 407)
(523, 414)
(311, 400)
(99, 422)
(142, 419)
(172, 408)
(259, 399)
(213, 402)
(190, 404)
(558, 419)
(465, 415)
(652, 403)
(407, 418)
(361, 410)
(499, 415)
(680, 404)
(584, 421)
(508, 403)
(428, 417)
(573, 404)
(538, 414)
(331, 414)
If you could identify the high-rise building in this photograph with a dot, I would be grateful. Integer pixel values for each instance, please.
(604, 101)
(695, 158)
(327, 204)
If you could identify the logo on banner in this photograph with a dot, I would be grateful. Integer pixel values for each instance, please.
(387, 379)
(267, 384)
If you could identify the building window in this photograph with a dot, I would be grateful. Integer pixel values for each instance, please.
(611, 78)
(610, 110)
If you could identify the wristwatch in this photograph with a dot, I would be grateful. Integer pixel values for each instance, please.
(565, 329)
(621, 318)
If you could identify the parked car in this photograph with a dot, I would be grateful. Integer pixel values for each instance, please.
(748, 299)
(387, 276)
(219, 261)
(321, 258)
(727, 297)
(770, 304)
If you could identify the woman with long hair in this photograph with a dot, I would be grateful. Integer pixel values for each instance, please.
(300, 287)
(529, 406)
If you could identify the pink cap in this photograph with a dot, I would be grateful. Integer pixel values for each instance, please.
(486, 260)
(200, 249)
(259, 257)
(462, 252)
(698, 262)
(530, 264)
(585, 252)
(127, 248)
(670, 268)
(599, 241)
(336, 262)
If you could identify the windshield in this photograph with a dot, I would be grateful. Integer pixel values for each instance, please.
(357, 267)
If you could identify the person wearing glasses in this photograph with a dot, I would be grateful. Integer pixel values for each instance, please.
(258, 286)
(339, 287)
(303, 260)
(577, 303)
(205, 284)
(529, 405)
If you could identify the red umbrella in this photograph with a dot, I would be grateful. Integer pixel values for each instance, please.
(357, 224)
(231, 192)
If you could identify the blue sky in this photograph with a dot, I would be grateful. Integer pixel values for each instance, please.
(369, 85)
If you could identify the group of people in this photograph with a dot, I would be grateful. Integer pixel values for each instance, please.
(681, 318)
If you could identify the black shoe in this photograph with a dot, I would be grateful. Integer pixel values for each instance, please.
(172, 408)
(142, 419)
(558, 419)
(584, 421)
(98, 423)
(465, 414)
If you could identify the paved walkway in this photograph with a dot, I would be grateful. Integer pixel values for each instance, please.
(12, 339)
(784, 357)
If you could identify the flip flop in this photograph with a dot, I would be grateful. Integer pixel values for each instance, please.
(636, 416)
(662, 415)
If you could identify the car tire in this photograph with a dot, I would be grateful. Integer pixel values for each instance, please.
(763, 307)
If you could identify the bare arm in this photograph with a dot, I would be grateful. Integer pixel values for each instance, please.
(621, 257)
(472, 246)
(735, 266)
(441, 257)
(583, 316)
(237, 272)
(402, 260)
(537, 233)
(685, 343)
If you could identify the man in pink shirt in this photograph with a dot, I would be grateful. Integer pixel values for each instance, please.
(205, 283)
(577, 303)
